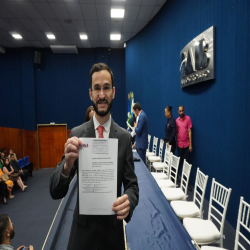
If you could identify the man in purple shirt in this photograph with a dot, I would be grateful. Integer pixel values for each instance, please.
(184, 135)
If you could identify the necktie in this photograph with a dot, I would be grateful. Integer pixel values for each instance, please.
(100, 130)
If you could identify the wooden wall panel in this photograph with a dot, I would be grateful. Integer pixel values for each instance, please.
(30, 146)
(12, 138)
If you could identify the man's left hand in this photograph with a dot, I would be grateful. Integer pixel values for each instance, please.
(121, 207)
(190, 148)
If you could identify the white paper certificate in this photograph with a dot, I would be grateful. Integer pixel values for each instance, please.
(97, 176)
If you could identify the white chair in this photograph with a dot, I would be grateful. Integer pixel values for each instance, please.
(149, 139)
(154, 148)
(155, 158)
(171, 182)
(205, 232)
(242, 221)
(173, 194)
(160, 166)
(191, 209)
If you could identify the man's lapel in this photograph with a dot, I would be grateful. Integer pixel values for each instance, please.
(113, 130)
(90, 129)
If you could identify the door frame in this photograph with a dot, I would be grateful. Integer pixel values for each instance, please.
(38, 143)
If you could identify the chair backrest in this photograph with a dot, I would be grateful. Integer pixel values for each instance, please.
(149, 139)
(26, 160)
(200, 189)
(161, 149)
(174, 168)
(219, 198)
(154, 150)
(168, 148)
(21, 163)
(185, 176)
(243, 221)
(167, 163)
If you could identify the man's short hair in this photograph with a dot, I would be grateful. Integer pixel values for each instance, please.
(181, 106)
(4, 224)
(137, 106)
(12, 155)
(99, 67)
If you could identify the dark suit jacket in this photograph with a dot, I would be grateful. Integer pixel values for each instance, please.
(126, 176)
(141, 130)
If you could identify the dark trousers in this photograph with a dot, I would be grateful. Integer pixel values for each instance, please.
(142, 154)
(173, 147)
(29, 168)
(183, 153)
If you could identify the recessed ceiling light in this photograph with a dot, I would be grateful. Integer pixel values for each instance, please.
(117, 13)
(17, 36)
(51, 36)
(83, 37)
(115, 37)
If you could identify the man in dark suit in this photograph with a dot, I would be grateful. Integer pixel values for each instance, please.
(94, 232)
(141, 130)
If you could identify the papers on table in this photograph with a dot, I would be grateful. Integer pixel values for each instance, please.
(97, 176)
(133, 131)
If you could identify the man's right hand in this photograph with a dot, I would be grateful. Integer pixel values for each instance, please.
(71, 153)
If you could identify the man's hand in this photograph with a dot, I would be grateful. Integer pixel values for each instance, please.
(134, 146)
(190, 148)
(71, 152)
(121, 207)
(20, 248)
(167, 144)
(135, 124)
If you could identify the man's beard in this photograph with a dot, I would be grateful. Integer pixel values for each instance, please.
(12, 233)
(102, 113)
(182, 115)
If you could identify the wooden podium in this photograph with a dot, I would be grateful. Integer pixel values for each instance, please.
(51, 140)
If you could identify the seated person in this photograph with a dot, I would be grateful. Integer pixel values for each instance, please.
(8, 183)
(17, 169)
(7, 233)
(12, 152)
(8, 169)
(3, 191)
(2, 158)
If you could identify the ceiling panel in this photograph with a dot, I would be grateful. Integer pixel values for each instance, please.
(28, 24)
(161, 2)
(131, 12)
(54, 25)
(95, 44)
(156, 10)
(30, 10)
(89, 11)
(80, 25)
(45, 10)
(145, 13)
(104, 36)
(39, 1)
(6, 35)
(28, 36)
(139, 26)
(104, 25)
(93, 36)
(116, 26)
(128, 26)
(92, 25)
(15, 24)
(61, 36)
(103, 11)
(133, 2)
(40, 36)
(60, 10)
(42, 25)
(67, 26)
(105, 44)
(4, 13)
(37, 44)
(4, 25)
(74, 10)
(14, 9)
(149, 2)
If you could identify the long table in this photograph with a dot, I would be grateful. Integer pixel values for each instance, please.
(154, 224)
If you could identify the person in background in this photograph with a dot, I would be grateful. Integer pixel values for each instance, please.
(170, 129)
(17, 169)
(7, 233)
(132, 122)
(89, 113)
(12, 152)
(2, 158)
(141, 130)
(8, 169)
(184, 136)
(8, 184)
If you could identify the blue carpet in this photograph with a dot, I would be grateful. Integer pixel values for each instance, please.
(32, 211)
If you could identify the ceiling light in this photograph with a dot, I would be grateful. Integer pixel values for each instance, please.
(83, 37)
(17, 36)
(115, 37)
(117, 13)
(125, 45)
(51, 36)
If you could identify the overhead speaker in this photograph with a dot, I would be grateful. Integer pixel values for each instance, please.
(37, 57)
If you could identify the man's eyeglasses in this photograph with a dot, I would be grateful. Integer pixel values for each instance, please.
(97, 90)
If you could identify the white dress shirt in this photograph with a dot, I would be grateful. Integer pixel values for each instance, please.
(106, 126)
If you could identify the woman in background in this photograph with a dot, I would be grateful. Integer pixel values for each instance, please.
(170, 129)
(89, 113)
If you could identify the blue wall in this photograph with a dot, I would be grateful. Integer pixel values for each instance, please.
(58, 92)
(218, 108)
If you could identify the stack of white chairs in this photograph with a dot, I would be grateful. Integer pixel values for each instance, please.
(180, 193)
(242, 222)
(149, 139)
(162, 166)
(171, 182)
(191, 209)
(205, 232)
(155, 158)
(154, 149)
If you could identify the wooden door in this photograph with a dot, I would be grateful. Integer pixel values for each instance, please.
(51, 144)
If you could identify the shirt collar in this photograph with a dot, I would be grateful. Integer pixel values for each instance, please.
(106, 125)
(6, 247)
